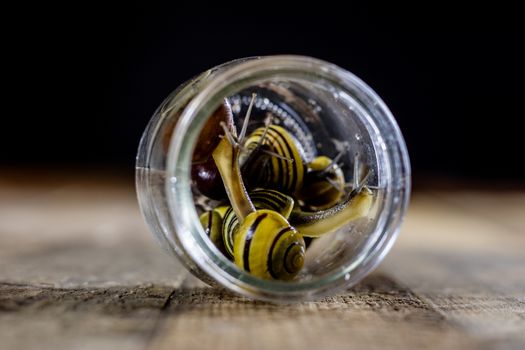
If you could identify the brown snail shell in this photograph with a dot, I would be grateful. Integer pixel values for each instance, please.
(204, 172)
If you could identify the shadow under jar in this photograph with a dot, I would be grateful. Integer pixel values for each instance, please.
(329, 113)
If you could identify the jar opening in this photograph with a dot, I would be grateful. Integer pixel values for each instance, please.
(331, 114)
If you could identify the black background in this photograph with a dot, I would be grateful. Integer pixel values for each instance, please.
(82, 81)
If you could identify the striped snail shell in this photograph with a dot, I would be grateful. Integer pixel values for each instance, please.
(229, 228)
(261, 199)
(268, 247)
(323, 185)
(273, 200)
(284, 170)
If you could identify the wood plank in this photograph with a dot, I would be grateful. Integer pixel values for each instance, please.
(466, 265)
(33, 317)
(445, 262)
(80, 234)
(377, 314)
(79, 269)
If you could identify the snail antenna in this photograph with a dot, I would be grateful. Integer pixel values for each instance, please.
(335, 185)
(336, 158)
(276, 155)
(247, 118)
(258, 146)
(228, 135)
(267, 123)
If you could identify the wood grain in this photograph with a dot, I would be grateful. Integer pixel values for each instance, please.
(79, 270)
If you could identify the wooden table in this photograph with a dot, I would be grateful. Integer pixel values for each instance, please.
(79, 270)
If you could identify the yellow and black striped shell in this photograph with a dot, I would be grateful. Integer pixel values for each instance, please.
(322, 188)
(268, 247)
(273, 200)
(211, 222)
(284, 173)
(229, 228)
(261, 199)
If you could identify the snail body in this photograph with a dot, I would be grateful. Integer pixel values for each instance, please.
(314, 224)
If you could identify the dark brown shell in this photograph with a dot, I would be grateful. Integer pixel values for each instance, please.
(204, 172)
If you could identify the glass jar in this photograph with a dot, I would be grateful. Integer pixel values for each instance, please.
(332, 112)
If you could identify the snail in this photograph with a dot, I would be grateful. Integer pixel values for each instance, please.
(275, 159)
(265, 244)
(261, 199)
(357, 205)
(324, 183)
(268, 247)
(212, 221)
(204, 172)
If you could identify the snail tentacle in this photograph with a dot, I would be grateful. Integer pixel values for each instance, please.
(226, 157)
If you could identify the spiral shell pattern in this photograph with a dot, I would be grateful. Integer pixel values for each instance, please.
(268, 247)
(284, 173)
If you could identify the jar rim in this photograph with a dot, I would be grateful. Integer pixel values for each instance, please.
(236, 76)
